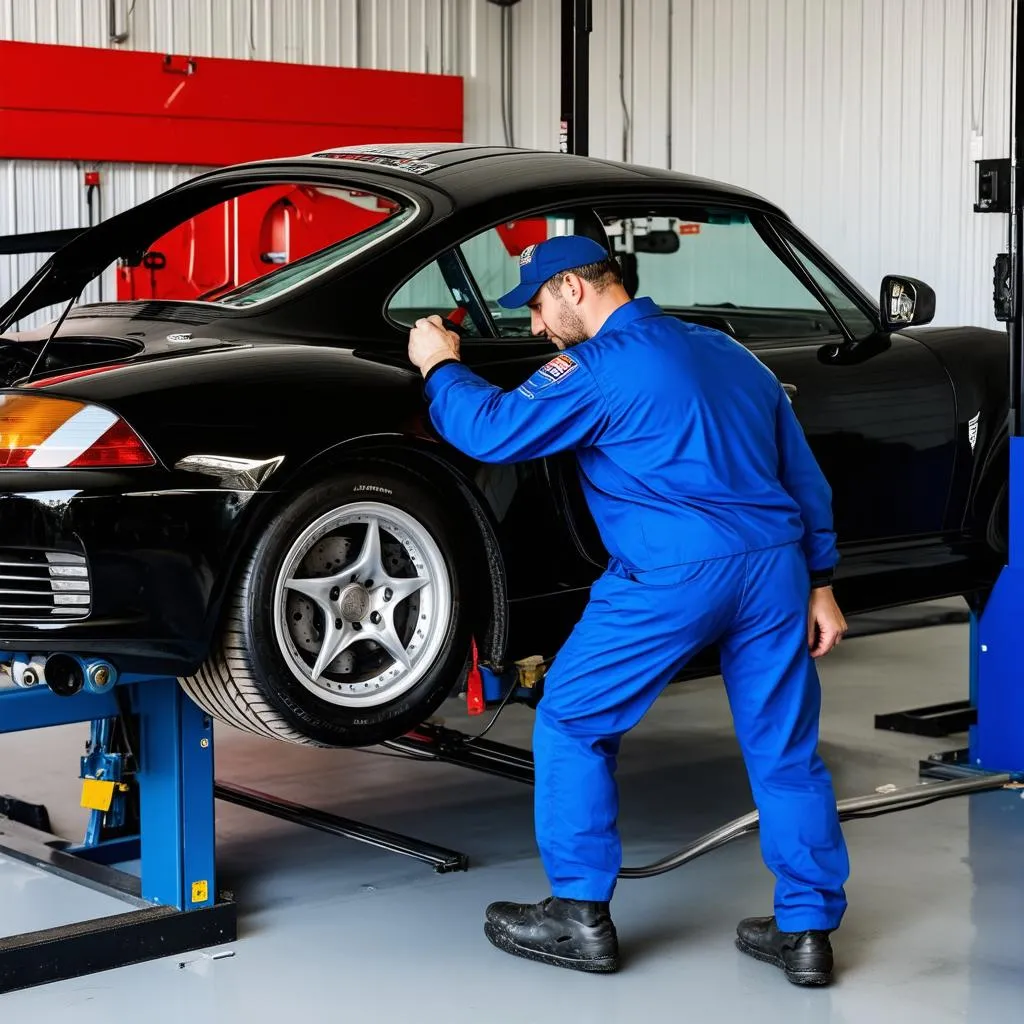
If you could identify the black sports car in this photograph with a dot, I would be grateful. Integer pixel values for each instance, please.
(229, 476)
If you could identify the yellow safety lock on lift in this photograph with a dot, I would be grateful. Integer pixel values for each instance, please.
(98, 794)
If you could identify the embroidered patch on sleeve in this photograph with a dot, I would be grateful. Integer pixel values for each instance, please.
(550, 373)
(558, 368)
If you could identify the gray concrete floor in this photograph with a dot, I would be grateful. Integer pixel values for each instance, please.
(333, 930)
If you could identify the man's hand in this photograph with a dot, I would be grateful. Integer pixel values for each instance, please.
(825, 623)
(429, 343)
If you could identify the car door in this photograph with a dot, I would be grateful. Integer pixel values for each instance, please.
(878, 411)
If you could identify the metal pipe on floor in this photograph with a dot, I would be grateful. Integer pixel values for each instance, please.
(882, 803)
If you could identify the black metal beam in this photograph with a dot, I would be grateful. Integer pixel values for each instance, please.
(577, 23)
(450, 746)
(145, 932)
(442, 859)
(70, 951)
(935, 720)
(41, 850)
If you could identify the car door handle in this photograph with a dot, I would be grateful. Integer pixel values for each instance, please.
(791, 390)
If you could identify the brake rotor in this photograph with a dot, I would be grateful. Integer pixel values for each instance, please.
(327, 556)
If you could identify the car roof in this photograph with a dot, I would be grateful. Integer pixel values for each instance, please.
(477, 172)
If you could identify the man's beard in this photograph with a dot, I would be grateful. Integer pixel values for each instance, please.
(571, 328)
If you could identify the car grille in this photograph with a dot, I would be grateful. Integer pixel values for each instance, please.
(43, 586)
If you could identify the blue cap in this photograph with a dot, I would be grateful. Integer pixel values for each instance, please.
(542, 261)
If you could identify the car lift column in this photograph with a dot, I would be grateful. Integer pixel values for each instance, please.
(996, 742)
(176, 801)
(577, 23)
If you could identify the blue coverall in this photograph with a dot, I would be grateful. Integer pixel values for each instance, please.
(714, 513)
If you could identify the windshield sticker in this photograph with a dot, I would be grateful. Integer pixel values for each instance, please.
(417, 152)
(399, 163)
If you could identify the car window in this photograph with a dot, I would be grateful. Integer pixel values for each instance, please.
(714, 267)
(490, 268)
(859, 323)
(427, 293)
(257, 245)
(352, 234)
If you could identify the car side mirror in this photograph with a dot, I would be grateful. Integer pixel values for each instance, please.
(905, 302)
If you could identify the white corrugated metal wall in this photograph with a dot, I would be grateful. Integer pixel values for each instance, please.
(862, 118)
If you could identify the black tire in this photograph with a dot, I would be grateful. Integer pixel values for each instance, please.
(250, 680)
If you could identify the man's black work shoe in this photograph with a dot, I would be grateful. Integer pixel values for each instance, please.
(806, 957)
(566, 933)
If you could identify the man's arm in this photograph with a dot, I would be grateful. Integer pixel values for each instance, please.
(559, 408)
(803, 479)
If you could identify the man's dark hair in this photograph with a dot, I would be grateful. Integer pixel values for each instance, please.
(600, 275)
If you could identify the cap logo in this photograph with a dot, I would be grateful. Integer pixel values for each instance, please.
(527, 255)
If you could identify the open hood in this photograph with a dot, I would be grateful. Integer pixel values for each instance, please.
(125, 236)
(128, 235)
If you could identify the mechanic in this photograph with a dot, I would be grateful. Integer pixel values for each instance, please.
(718, 523)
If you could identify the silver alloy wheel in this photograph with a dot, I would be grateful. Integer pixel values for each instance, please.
(362, 604)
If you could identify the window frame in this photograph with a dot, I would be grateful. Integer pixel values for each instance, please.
(763, 222)
(791, 238)
(779, 234)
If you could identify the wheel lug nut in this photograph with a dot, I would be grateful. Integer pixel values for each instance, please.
(375, 618)
(388, 594)
(368, 584)
(357, 626)
(338, 623)
(335, 593)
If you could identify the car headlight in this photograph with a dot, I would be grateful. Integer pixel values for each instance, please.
(45, 432)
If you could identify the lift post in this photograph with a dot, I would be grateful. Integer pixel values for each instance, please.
(577, 24)
(997, 740)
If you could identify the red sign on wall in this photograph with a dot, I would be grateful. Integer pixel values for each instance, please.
(85, 103)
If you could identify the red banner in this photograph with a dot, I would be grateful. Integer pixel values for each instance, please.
(84, 103)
